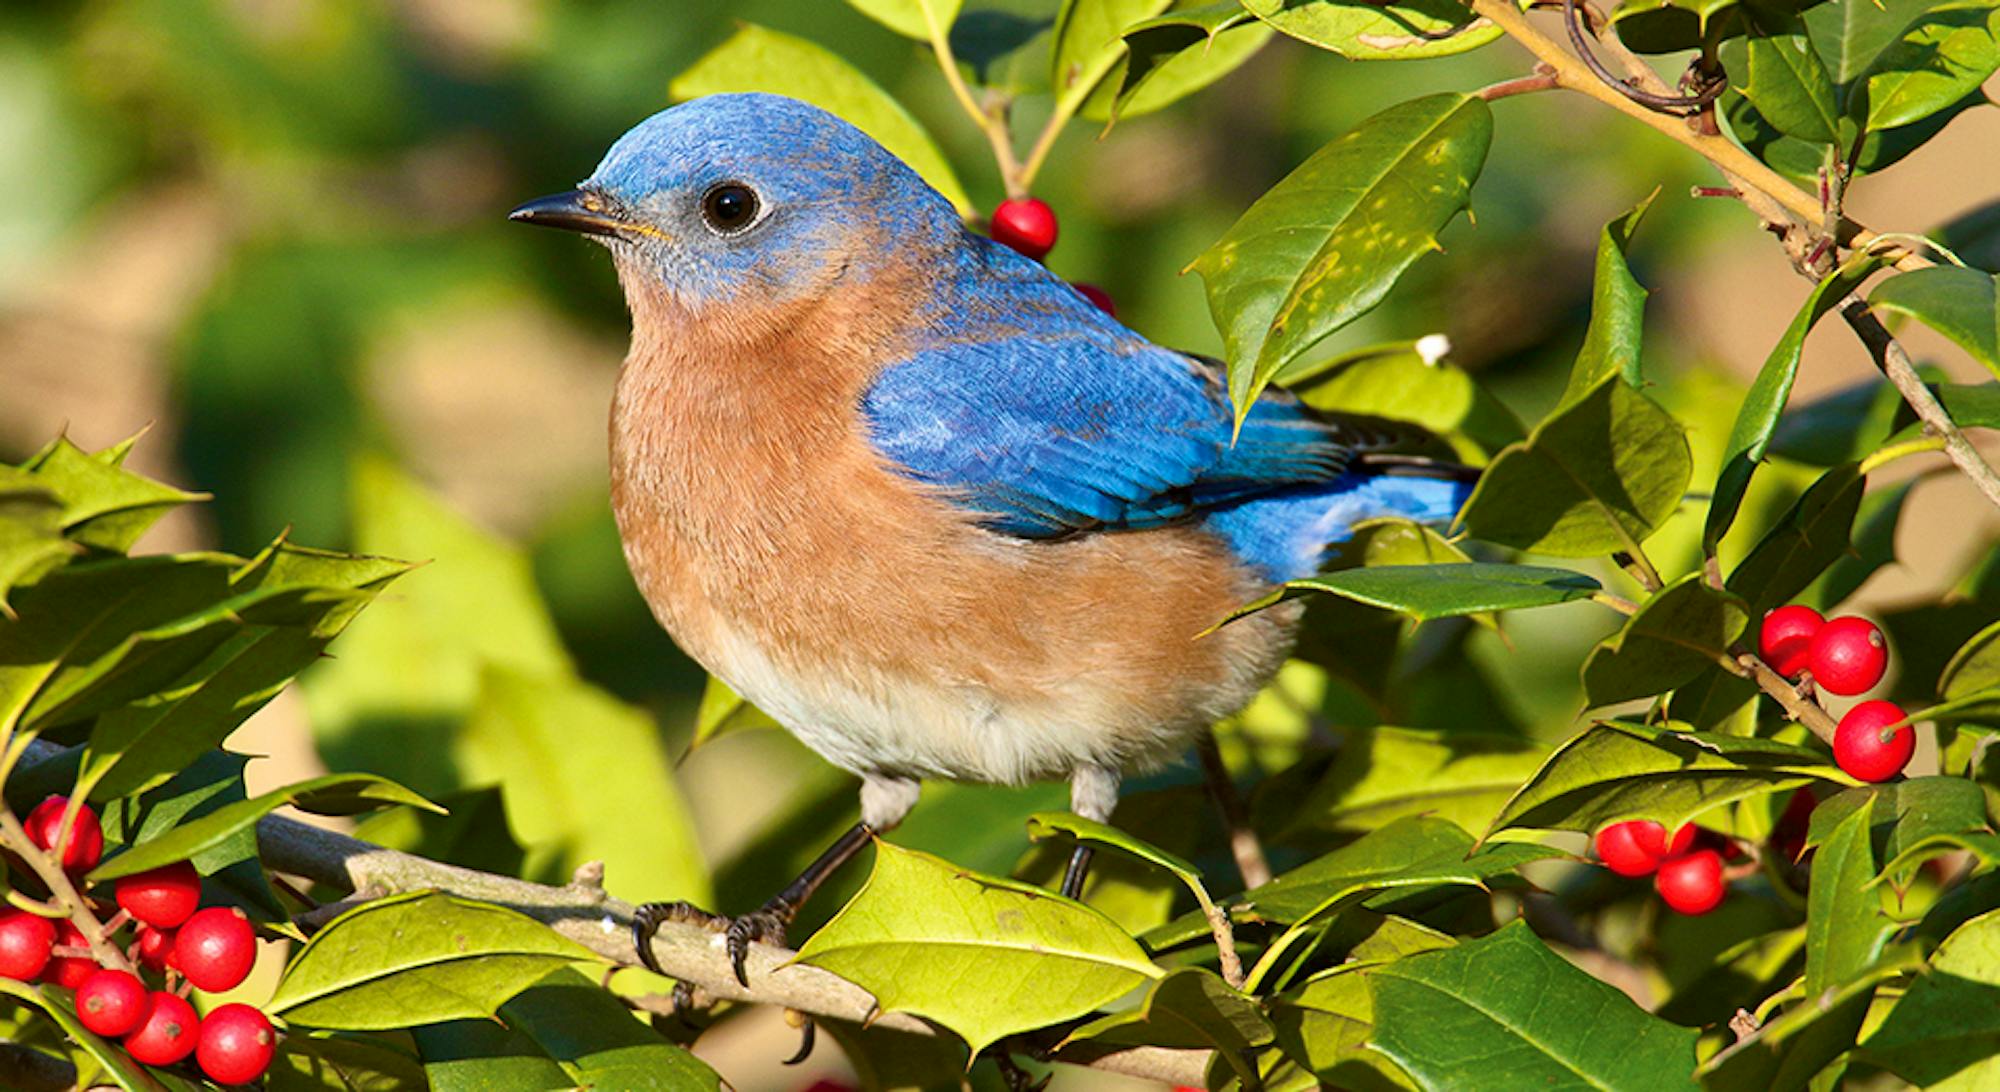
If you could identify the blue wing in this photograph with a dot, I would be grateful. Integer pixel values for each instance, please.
(1049, 418)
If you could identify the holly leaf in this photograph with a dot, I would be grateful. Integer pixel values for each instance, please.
(1681, 630)
(918, 19)
(983, 956)
(1401, 30)
(1427, 592)
(1618, 770)
(1324, 246)
(1959, 303)
(1381, 774)
(1599, 475)
(1812, 536)
(1947, 1027)
(416, 959)
(1502, 1011)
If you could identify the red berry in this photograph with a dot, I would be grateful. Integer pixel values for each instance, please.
(69, 971)
(1692, 884)
(1786, 638)
(168, 1032)
(236, 1044)
(1026, 224)
(163, 897)
(1848, 655)
(1636, 848)
(25, 940)
(111, 1003)
(1864, 750)
(1097, 296)
(86, 839)
(216, 948)
(156, 947)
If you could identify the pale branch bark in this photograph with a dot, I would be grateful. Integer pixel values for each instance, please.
(1895, 364)
(584, 913)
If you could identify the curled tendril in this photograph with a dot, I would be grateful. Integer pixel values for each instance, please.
(1708, 84)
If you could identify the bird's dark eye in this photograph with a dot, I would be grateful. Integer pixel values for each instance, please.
(729, 208)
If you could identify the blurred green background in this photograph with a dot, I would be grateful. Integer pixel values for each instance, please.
(272, 231)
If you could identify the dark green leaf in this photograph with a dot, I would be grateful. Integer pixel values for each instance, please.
(1324, 245)
(1784, 78)
(417, 959)
(1945, 1032)
(1905, 815)
(1812, 536)
(1794, 1049)
(1617, 311)
(1426, 592)
(1503, 1011)
(1401, 30)
(1974, 669)
(1615, 770)
(1191, 1008)
(1174, 55)
(1843, 427)
(1599, 475)
(595, 1039)
(331, 794)
(1685, 627)
(1874, 547)
(1758, 418)
(482, 1055)
(1845, 926)
(1959, 303)
(339, 1063)
(1087, 45)
(1802, 160)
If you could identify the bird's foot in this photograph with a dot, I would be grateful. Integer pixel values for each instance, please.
(767, 923)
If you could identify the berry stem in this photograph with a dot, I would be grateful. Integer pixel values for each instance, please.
(991, 122)
(1796, 705)
(62, 893)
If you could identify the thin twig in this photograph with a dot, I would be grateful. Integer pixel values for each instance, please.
(1797, 706)
(1895, 364)
(1523, 85)
(1243, 843)
(62, 892)
(992, 123)
(1746, 171)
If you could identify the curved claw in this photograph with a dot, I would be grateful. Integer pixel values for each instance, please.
(807, 1036)
(767, 924)
(647, 919)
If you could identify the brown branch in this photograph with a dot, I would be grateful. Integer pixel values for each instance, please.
(583, 912)
(1895, 364)
(1797, 706)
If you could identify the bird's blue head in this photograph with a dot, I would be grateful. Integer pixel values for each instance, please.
(751, 196)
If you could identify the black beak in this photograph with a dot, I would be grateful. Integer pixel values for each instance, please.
(574, 210)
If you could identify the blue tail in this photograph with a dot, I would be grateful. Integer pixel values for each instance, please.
(1285, 535)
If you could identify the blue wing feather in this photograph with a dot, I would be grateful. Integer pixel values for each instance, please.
(1032, 407)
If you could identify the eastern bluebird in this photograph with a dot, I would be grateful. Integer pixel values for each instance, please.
(917, 498)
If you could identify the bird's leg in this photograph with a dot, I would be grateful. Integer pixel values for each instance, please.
(768, 922)
(1093, 793)
(884, 802)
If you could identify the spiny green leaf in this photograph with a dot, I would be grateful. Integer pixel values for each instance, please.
(1905, 815)
(1845, 925)
(104, 506)
(1945, 1032)
(1617, 311)
(760, 59)
(1812, 536)
(417, 959)
(1795, 1048)
(1616, 770)
(330, 794)
(1681, 630)
(1758, 419)
(1324, 245)
(593, 1036)
(1502, 1011)
(1599, 475)
(985, 957)
(1191, 1008)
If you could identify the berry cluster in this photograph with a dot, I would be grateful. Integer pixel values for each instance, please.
(1688, 879)
(1844, 656)
(175, 938)
(1028, 224)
